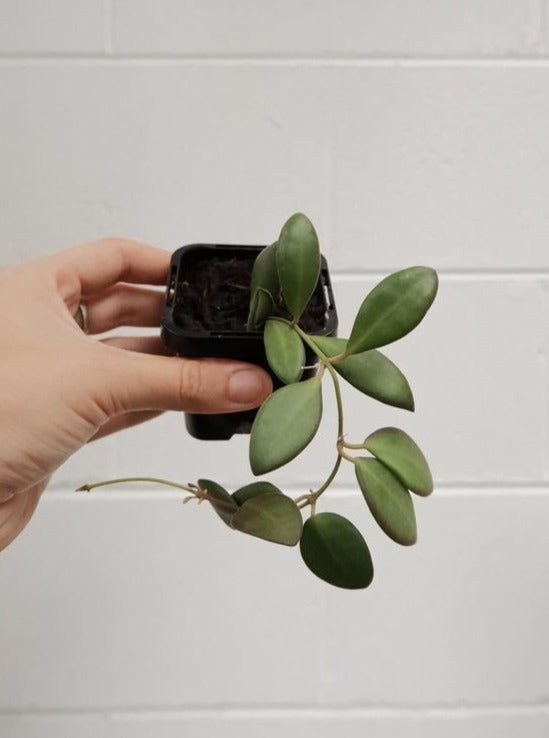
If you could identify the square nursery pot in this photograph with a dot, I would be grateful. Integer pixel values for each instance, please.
(205, 314)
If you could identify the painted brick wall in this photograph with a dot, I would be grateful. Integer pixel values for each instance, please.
(411, 132)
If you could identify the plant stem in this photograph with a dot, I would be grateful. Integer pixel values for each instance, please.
(123, 480)
(326, 364)
(339, 401)
(197, 492)
(316, 494)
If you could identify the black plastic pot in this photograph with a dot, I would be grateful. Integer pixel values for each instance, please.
(231, 344)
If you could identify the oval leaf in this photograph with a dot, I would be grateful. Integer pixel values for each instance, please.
(298, 262)
(253, 490)
(285, 351)
(394, 448)
(261, 307)
(335, 551)
(285, 424)
(370, 372)
(393, 308)
(271, 516)
(389, 501)
(265, 272)
(226, 506)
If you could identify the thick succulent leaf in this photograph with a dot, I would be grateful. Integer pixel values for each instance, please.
(253, 490)
(393, 308)
(370, 372)
(389, 501)
(298, 262)
(285, 351)
(271, 516)
(261, 307)
(227, 506)
(335, 551)
(265, 272)
(285, 424)
(401, 454)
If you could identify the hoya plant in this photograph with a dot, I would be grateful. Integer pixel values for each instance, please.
(389, 466)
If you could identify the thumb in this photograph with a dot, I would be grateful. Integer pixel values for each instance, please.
(148, 382)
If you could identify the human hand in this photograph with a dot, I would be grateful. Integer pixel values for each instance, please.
(60, 388)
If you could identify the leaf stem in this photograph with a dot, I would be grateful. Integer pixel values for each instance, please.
(353, 445)
(309, 341)
(337, 359)
(345, 456)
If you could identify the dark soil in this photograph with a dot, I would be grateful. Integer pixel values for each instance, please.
(215, 296)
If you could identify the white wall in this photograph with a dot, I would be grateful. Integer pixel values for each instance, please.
(411, 132)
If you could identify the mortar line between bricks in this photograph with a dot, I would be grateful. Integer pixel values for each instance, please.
(295, 711)
(342, 490)
(451, 275)
(151, 59)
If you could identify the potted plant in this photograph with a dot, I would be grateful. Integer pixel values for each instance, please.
(289, 326)
(209, 313)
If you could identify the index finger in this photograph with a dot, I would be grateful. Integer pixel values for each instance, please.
(100, 264)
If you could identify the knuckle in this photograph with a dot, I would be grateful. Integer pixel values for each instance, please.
(122, 311)
(112, 242)
(191, 380)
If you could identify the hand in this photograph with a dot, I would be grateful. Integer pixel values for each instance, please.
(60, 388)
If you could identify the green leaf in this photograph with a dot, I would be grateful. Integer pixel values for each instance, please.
(285, 424)
(370, 372)
(389, 501)
(271, 516)
(264, 287)
(394, 448)
(393, 308)
(252, 490)
(227, 506)
(261, 307)
(265, 272)
(285, 351)
(298, 262)
(335, 551)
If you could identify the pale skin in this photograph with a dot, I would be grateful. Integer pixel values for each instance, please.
(61, 388)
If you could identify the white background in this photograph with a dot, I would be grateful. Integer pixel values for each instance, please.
(411, 133)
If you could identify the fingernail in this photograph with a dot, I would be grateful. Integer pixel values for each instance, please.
(245, 386)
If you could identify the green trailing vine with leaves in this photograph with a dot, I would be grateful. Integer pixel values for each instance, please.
(284, 278)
